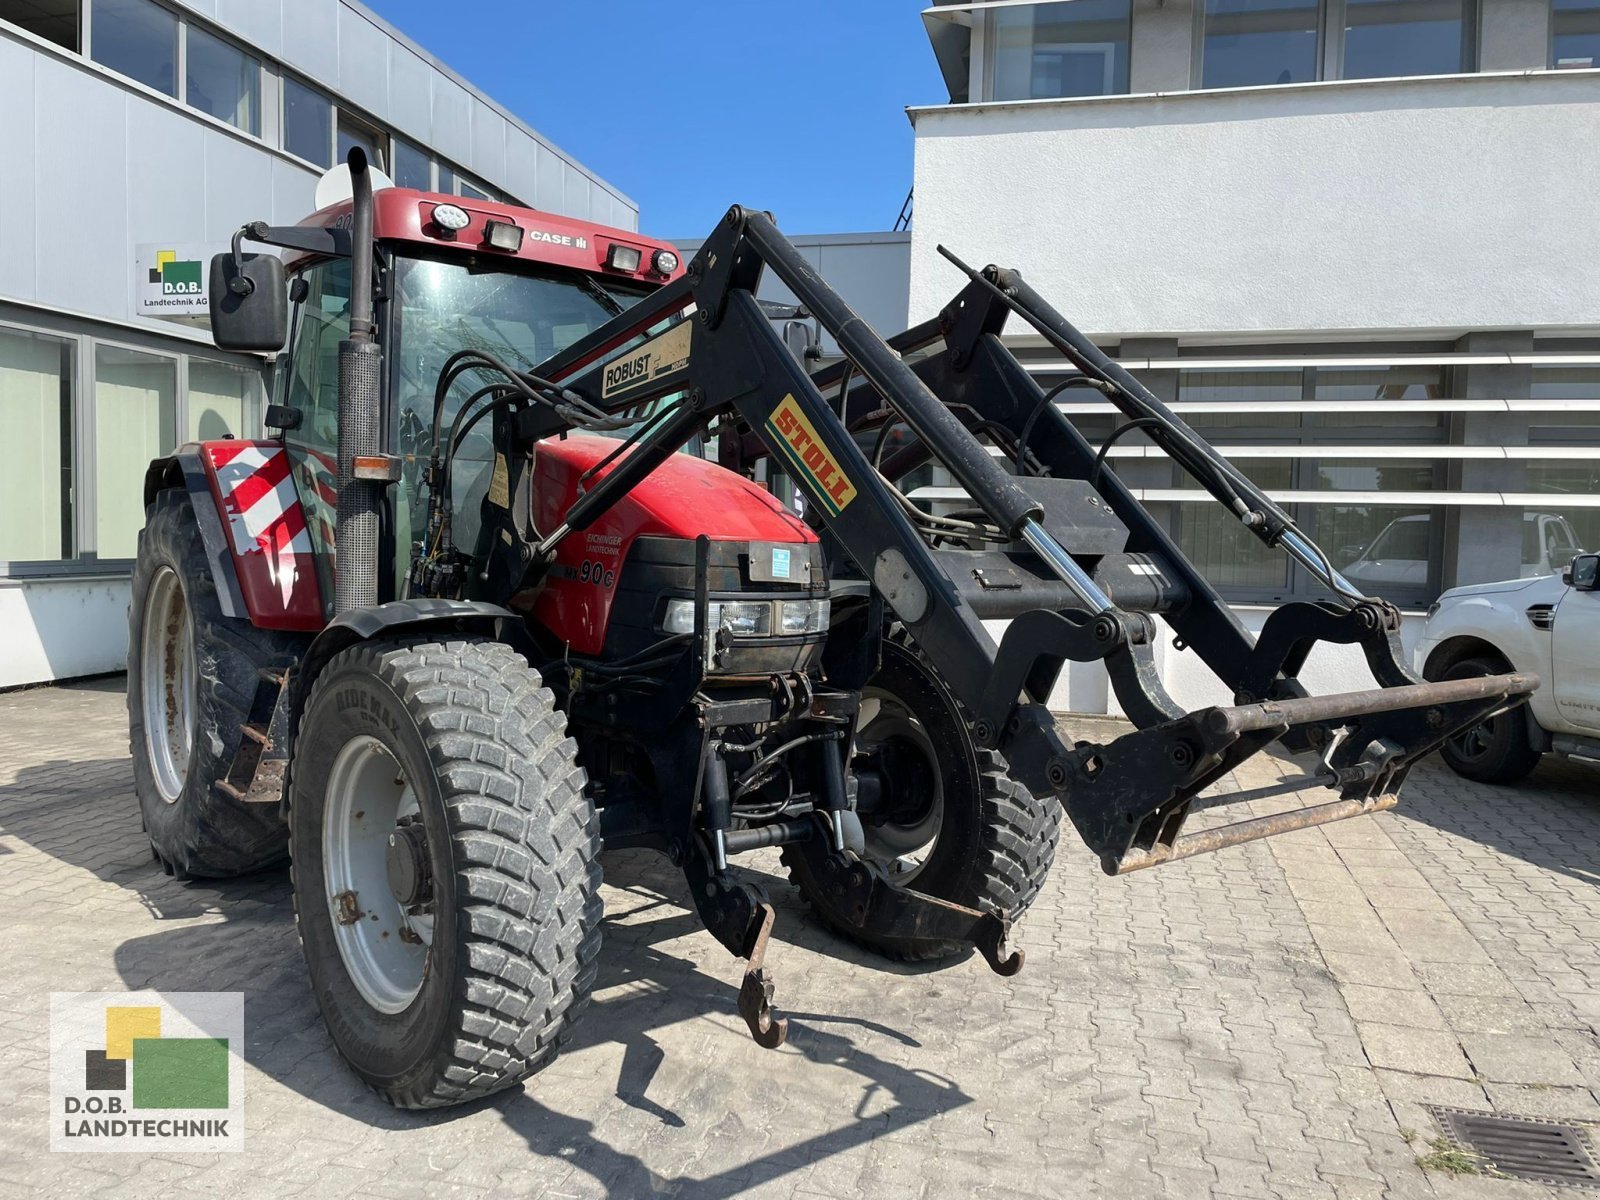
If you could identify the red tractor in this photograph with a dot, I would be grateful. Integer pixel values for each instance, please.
(470, 615)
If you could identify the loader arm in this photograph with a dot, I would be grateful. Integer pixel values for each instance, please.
(1071, 557)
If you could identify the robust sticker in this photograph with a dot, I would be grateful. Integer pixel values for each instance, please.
(661, 355)
(804, 449)
(780, 562)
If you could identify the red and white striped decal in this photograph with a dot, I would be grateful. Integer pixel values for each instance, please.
(264, 513)
(274, 558)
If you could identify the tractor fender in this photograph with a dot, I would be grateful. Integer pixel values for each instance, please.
(184, 469)
(398, 617)
(257, 532)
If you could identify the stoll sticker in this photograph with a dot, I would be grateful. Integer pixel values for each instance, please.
(146, 1071)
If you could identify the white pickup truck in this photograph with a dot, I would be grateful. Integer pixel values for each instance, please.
(1549, 626)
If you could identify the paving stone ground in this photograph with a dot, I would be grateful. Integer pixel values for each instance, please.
(1264, 1022)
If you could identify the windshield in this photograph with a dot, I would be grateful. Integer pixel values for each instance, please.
(475, 304)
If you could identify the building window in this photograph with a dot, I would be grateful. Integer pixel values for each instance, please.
(135, 420)
(36, 439)
(53, 20)
(473, 191)
(1253, 42)
(1250, 42)
(224, 400)
(1043, 51)
(412, 167)
(1272, 421)
(353, 133)
(1574, 34)
(222, 80)
(138, 39)
(1384, 38)
(307, 122)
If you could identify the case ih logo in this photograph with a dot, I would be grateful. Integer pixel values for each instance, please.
(177, 278)
(804, 449)
(146, 1071)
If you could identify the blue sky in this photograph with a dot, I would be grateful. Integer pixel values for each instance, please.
(689, 106)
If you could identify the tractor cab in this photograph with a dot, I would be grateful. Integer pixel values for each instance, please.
(451, 273)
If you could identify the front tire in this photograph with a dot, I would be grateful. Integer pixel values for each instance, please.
(192, 675)
(1494, 751)
(965, 831)
(444, 858)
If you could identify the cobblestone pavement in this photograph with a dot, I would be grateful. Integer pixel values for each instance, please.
(1264, 1022)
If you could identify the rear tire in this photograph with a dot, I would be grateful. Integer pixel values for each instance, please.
(992, 840)
(192, 674)
(447, 993)
(1497, 750)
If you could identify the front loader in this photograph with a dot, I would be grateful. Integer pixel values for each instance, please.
(471, 615)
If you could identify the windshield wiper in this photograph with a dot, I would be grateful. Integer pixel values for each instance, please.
(609, 301)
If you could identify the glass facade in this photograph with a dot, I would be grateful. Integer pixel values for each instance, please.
(1385, 38)
(56, 22)
(1395, 548)
(138, 39)
(307, 122)
(1249, 42)
(81, 417)
(1053, 50)
(36, 442)
(412, 167)
(1574, 34)
(135, 420)
(222, 80)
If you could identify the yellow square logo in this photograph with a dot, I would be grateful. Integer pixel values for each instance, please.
(124, 1024)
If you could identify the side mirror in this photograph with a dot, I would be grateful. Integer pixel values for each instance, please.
(1584, 573)
(249, 308)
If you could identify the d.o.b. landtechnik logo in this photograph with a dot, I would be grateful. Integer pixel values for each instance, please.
(146, 1071)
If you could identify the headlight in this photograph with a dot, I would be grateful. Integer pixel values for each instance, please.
(805, 616)
(451, 217)
(750, 618)
(623, 258)
(665, 262)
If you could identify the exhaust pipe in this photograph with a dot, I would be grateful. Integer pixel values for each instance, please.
(360, 414)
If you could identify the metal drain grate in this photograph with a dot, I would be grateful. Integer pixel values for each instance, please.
(1538, 1151)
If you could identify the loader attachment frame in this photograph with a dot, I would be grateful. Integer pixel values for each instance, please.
(1081, 567)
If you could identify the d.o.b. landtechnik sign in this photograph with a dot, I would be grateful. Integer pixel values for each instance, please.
(146, 1071)
(170, 279)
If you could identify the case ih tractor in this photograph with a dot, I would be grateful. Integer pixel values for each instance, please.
(469, 616)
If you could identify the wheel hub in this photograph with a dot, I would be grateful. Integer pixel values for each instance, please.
(410, 878)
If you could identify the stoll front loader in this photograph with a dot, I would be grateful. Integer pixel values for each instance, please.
(470, 616)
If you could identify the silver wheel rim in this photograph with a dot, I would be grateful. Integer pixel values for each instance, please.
(169, 681)
(384, 946)
(904, 848)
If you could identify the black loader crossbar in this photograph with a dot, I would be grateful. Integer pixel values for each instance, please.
(1061, 547)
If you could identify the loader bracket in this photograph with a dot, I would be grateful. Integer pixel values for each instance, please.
(1035, 646)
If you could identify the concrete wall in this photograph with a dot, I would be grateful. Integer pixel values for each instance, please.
(62, 628)
(1427, 205)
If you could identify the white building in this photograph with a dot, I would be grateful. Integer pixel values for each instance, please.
(1355, 242)
(138, 135)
